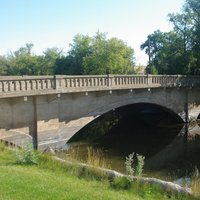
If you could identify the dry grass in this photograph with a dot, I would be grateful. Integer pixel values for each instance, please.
(95, 157)
(196, 182)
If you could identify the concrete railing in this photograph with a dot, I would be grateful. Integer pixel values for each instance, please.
(10, 84)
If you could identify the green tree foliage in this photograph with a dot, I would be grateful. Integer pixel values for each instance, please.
(177, 51)
(80, 48)
(51, 59)
(87, 55)
(24, 62)
(99, 55)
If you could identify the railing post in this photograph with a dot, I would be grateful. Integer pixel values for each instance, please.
(54, 82)
(108, 80)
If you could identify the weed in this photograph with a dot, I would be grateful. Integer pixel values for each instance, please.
(129, 164)
(26, 155)
(134, 164)
(95, 157)
(121, 183)
(196, 182)
(140, 165)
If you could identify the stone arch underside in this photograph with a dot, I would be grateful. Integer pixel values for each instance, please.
(99, 111)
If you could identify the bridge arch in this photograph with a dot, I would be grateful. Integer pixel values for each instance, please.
(164, 116)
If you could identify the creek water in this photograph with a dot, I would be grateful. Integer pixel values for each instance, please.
(171, 148)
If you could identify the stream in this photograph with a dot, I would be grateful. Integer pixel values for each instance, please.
(171, 148)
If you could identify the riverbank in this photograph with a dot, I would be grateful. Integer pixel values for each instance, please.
(51, 179)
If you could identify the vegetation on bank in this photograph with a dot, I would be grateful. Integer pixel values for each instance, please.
(50, 179)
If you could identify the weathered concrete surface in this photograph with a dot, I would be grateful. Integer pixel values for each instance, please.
(56, 118)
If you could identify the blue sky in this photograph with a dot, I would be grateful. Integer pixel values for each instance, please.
(54, 23)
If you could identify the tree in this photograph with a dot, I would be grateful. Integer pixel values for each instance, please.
(177, 51)
(192, 8)
(99, 55)
(23, 62)
(80, 48)
(51, 59)
(87, 55)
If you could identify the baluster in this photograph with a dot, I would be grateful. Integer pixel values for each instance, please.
(47, 84)
(32, 84)
(1, 86)
(89, 82)
(121, 81)
(25, 85)
(36, 85)
(98, 82)
(74, 82)
(28, 86)
(9, 86)
(41, 84)
(70, 82)
(82, 82)
(124, 80)
(101, 81)
(93, 81)
(66, 82)
(78, 83)
(116, 81)
(133, 80)
(15, 85)
(85, 82)
(20, 85)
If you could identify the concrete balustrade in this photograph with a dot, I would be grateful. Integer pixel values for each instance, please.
(10, 85)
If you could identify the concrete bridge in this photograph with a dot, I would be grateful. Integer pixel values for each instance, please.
(51, 109)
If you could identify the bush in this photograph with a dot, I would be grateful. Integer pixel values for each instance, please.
(121, 183)
(26, 156)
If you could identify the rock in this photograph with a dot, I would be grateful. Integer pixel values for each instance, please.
(49, 150)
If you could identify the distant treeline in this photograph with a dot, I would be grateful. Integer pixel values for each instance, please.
(87, 55)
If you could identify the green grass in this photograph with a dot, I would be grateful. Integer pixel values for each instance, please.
(53, 180)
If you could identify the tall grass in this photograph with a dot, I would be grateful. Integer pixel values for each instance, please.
(95, 157)
(196, 182)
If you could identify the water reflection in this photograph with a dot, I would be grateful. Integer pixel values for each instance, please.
(171, 149)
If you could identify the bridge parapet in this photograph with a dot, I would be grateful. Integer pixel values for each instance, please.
(34, 85)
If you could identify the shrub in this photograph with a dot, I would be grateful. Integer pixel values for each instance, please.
(121, 183)
(26, 156)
